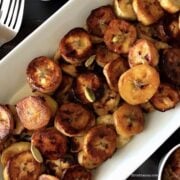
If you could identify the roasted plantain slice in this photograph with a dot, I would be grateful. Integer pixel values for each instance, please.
(13, 150)
(138, 84)
(47, 177)
(147, 11)
(6, 122)
(76, 172)
(33, 112)
(165, 98)
(100, 143)
(143, 52)
(43, 74)
(108, 102)
(76, 46)
(123, 9)
(119, 36)
(22, 167)
(128, 120)
(73, 119)
(113, 70)
(171, 6)
(87, 87)
(99, 19)
(50, 142)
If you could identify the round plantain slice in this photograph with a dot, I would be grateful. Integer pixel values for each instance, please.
(22, 167)
(6, 122)
(13, 150)
(76, 46)
(113, 70)
(43, 74)
(108, 103)
(73, 119)
(143, 52)
(128, 120)
(138, 84)
(147, 11)
(87, 87)
(76, 172)
(33, 112)
(99, 19)
(119, 36)
(47, 177)
(50, 142)
(123, 9)
(104, 55)
(165, 98)
(171, 6)
(100, 143)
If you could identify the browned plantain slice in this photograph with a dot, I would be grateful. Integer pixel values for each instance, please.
(43, 74)
(6, 122)
(119, 36)
(128, 120)
(99, 19)
(87, 87)
(76, 46)
(138, 84)
(104, 55)
(165, 98)
(147, 11)
(113, 70)
(143, 52)
(170, 65)
(50, 142)
(47, 177)
(22, 167)
(77, 172)
(33, 112)
(73, 119)
(100, 143)
(171, 6)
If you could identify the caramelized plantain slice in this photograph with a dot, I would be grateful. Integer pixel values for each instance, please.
(6, 122)
(33, 112)
(43, 74)
(50, 142)
(73, 119)
(128, 120)
(171, 6)
(165, 98)
(99, 19)
(120, 36)
(76, 172)
(76, 46)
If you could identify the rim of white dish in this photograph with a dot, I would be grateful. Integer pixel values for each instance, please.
(166, 157)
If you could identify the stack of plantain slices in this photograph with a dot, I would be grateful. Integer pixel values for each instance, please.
(90, 99)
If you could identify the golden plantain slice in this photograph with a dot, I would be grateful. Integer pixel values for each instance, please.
(6, 122)
(128, 120)
(165, 98)
(100, 143)
(119, 36)
(143, 52)
(76, 46)
(47, 177)
(73, 119)
(147, 11)
(113, 70)
(76, 172)
(138, 84)
(171, 6)
(22, 167)
(50, 142)
(43, 74)
(33, 112)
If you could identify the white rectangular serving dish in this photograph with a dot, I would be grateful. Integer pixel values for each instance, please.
(44, 41)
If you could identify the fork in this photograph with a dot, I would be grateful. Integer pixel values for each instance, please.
(11, 14)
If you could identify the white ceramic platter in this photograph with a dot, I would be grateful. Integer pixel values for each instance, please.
(44, 41)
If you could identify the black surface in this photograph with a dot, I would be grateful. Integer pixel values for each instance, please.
(35, 13)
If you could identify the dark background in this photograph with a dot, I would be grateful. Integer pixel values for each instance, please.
(35, 13)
